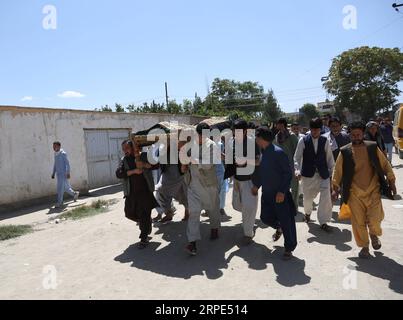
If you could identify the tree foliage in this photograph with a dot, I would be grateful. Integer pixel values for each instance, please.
(226, 98)
(365, 80)
(308, 112)
(271, 110)
(119, 108)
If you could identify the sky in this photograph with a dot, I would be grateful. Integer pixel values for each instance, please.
(91, 53)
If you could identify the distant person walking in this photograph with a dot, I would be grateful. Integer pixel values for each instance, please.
(61, 169)
(288, 142)
(336, 137)
(373, 134)
(387, 135)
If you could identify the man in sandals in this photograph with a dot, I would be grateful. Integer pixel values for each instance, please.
(274, 176)
(314, 165)
(360, 172)
(203, 188)
(171, 186)
(242, 198)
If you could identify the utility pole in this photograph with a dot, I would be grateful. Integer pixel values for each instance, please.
(166, 93)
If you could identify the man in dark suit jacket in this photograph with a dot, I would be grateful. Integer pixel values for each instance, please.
(274, 176)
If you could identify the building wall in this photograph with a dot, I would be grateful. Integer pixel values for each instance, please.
(26, 154)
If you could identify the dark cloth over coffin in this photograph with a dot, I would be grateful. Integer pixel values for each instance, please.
(220, 123)
(144, 138)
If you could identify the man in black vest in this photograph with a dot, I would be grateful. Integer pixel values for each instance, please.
(313, 165)
(360, 170)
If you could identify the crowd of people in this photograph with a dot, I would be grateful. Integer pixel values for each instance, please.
(288, 165)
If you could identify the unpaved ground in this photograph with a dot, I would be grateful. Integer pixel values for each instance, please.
(96, 258)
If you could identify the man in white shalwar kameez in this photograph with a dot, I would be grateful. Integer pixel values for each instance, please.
(314, 165)
(203, 187)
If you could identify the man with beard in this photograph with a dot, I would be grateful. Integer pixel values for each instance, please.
(360, 171)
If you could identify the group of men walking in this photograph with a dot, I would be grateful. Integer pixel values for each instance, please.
(327, 161)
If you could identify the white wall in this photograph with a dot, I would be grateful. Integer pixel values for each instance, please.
(26, 154)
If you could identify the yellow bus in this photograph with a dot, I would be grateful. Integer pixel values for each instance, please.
(398, 130)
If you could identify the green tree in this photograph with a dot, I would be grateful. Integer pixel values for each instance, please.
(119, 108)
(131, 108)
(198, 105)
(365, 80)
(229, 95)
(174, 107)
(106, 108)
(157, 107)
(187, 106)
(271, 109)
(308, 112)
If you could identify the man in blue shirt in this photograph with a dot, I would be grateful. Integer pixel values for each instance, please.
(61, 169)
(274, 176)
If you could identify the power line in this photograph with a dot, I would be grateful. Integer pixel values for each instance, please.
(353, 45)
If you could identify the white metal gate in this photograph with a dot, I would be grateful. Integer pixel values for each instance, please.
(103, 154)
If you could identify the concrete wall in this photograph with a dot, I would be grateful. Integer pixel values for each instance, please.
(26, 154)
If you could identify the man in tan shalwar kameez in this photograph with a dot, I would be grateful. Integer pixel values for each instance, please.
(364, 194)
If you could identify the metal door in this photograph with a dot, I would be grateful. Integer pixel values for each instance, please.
(103, 154)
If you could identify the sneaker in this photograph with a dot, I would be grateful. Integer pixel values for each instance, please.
(191, 248)
(364, 253)
(214, 234)
(223, 213)
(76, 195)
(376, 243)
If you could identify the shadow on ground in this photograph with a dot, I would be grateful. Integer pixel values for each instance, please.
(171, 259)
(35, 205)
(337, 237)
(382, 267)
(288, 273)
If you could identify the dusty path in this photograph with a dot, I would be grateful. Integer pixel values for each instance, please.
(96, 258)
